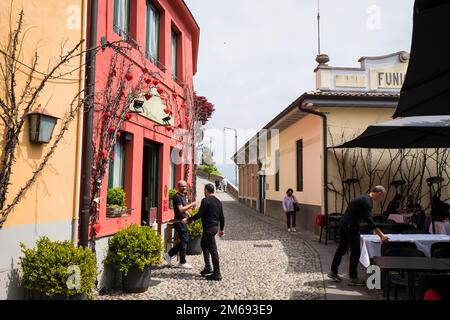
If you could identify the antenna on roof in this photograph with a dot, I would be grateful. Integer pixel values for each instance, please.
(318, 25)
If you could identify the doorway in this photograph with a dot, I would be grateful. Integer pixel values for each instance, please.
(150, 179)
(262, 192)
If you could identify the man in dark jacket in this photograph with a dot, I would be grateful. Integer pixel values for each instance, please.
(180, 209)
(359, 208)
(213, 222)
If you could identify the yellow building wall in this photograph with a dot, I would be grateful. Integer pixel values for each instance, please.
(344, 125)
(49, 24)
(310, 130)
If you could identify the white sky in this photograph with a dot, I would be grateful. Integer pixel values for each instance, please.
(257, 56)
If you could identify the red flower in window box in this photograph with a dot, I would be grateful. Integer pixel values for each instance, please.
(155, 82)
(104, 154)
(148, 96)
(128, 116)
(160, 90)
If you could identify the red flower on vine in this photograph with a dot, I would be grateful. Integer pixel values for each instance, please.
(104, 154)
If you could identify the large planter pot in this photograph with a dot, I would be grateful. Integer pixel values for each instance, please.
(194, 247)
(37, 295)
(136, 281)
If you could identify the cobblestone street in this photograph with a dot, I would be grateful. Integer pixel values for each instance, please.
(259, 260)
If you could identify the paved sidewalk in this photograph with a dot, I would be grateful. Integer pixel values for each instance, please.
(259, 260)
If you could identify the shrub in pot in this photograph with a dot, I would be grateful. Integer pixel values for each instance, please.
(134, 250)
(195, 231)
(58, 270)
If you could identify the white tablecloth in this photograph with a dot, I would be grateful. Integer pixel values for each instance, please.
(441, 227)
(371, 246)
(401, 218)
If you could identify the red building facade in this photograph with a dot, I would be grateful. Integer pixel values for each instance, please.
(167, 36)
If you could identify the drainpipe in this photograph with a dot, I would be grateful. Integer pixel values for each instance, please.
(307, 109)
(88, 126)
(75, 220)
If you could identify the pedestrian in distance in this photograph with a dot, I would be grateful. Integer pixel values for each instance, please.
(359, 208)
(213, 222)
(290, 207)
(180, 208)
(224, 184)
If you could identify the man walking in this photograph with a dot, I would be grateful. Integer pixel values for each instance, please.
(180, 209)
(211, 213)
(359, 208)
(224, 184)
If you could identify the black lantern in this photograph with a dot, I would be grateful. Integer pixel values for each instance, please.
(41, 125)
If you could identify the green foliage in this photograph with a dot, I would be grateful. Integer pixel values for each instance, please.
(45, 269)
(209, 168)
(116, 198)
(135, 246)
(195, 228)
(172, 193)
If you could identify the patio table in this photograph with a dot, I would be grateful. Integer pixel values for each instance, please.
(442, 227)
(371, 245)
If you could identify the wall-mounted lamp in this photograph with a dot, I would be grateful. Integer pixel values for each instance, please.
(41, 125)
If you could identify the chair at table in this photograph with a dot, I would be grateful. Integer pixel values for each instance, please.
(440, 250)
(415, 231)
(391, 245)
(331, 227)
(438, 282)
(399, 279)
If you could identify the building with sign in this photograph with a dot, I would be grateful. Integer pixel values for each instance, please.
(143, 165)
(345, 102)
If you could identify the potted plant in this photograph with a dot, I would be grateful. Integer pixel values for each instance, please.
(195, 231)
(57, 270)
(134, 250)
(172, 193)
(115, 203)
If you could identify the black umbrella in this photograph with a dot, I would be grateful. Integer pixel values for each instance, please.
(411, 132)
(426, 90)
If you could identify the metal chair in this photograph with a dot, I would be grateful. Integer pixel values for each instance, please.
(399, 279)
(440, 250)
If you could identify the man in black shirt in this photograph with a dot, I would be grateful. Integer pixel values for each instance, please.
(359, 208)
(211, 213)
(180, 209)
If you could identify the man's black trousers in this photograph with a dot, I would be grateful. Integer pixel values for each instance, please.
(349, 238)
(209, 248)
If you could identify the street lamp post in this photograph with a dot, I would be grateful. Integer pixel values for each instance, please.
(235, 152)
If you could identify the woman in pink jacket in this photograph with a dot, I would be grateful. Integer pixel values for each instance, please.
(289, 209)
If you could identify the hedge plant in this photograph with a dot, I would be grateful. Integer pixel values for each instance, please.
(138, 246)
(195, 228)
(116, 198)
(46, 269)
